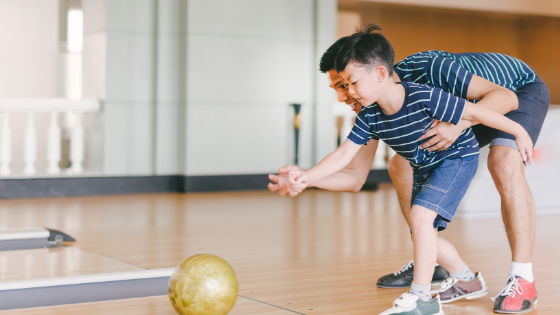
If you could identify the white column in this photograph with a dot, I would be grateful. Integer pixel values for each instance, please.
(30, 145)
(77, 146)
(53, 145)
(5, 145)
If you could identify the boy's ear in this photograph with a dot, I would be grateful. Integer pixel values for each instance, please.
(381, 73)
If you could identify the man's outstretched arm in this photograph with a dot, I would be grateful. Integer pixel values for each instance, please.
(351, 178)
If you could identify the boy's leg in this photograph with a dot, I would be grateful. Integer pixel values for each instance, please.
(424, 236)
(401, 175)
(419, 300)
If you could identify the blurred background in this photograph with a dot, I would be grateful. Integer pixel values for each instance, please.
(200, 91)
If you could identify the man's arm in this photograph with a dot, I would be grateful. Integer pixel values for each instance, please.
(492, 96)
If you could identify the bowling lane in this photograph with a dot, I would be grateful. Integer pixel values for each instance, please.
(155, 305)
(320, 253)
(56, 262)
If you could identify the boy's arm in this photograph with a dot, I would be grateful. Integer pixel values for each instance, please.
(491, 96)
(351, 178)
(500, 122)
(331, 164)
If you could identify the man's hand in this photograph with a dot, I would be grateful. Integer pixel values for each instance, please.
(444, 135)
(281, 183)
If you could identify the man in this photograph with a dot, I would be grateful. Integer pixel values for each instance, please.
(497, 82)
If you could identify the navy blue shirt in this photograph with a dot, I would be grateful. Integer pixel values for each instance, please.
(402, 130)
(453, 72)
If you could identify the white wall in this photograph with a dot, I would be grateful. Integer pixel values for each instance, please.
(203, 87)
(30, 63)
(247, 60)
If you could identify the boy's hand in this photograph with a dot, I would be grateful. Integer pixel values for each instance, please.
(299, 180)
(525, 146)
(280, 182)
(281, 185)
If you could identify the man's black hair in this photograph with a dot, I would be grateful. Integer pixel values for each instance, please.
(368, 48)
(327, 61)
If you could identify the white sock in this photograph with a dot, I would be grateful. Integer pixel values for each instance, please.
(421, 291)
(524, 270)
(466, 274)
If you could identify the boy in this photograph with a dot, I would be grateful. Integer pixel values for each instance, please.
(399, 113)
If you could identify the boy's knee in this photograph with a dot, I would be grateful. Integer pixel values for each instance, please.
(421, 217)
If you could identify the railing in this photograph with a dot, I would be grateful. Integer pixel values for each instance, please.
(344, 123)
(54, 106)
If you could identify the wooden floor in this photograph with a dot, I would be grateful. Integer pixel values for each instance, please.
(320, 253)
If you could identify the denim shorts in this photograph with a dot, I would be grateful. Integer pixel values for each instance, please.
(442, 189)
(534, 101)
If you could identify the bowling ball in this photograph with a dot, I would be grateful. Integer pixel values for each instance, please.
(203, 285)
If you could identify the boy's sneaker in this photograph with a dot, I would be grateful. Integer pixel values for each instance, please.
(517, 296)
(403, 277)
(454, 289)
(411, 304)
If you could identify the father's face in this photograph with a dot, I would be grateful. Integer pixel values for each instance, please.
(337, 83)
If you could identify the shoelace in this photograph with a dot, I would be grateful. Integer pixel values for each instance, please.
(511, 289)
(404, 268)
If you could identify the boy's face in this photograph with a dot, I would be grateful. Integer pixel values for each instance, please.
(363, 85)
(341, 87)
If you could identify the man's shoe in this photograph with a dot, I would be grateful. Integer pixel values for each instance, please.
(410, 304)
(516, 297)
(403, 277)
(454, 289)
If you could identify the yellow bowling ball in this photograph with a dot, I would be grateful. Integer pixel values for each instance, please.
(203, 285)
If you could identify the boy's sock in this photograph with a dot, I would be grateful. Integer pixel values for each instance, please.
(466, 274)
(524, 270)
(421, 291)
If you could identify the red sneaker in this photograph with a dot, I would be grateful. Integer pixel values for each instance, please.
(516, 297)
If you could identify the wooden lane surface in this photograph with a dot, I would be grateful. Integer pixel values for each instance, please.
(56, 262)
(320, 253)
(144, 306)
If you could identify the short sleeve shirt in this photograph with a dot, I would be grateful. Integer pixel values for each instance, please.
(453, 72)
(402, 130)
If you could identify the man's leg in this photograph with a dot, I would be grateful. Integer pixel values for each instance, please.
(518, 212)
(518, 207)
(401, 176)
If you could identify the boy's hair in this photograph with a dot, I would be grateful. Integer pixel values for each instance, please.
(368, 48)
(327, 61)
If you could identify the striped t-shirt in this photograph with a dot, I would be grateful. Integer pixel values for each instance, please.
(401, 130)
(453, 72)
